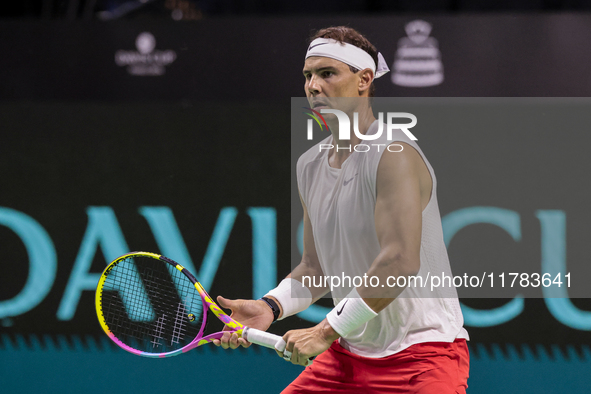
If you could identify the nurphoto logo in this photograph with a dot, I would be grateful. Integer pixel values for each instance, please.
(345, 128)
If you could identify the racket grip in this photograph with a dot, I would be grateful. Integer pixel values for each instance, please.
(263, 338)
(266, 339)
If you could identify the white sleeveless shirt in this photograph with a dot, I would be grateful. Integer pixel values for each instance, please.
(341, 205)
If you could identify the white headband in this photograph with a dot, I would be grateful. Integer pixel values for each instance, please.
(348, 54)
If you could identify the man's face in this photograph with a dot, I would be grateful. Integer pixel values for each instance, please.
(327, 78)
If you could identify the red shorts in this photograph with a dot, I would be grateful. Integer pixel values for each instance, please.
(424, 368)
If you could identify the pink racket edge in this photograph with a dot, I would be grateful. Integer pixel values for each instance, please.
(195, 343)
(207, 305)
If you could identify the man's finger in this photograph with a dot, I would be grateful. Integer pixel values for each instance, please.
(295, 356)
(302, 360)
(234, 341)
(244, 343)
(225, 340)
(225, 303)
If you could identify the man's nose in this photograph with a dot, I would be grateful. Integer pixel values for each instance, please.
(314, 85)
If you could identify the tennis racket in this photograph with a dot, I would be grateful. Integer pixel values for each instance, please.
(152, 306)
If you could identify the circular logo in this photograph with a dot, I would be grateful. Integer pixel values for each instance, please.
(145, 43)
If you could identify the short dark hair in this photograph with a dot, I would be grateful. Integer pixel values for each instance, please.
(353, 37)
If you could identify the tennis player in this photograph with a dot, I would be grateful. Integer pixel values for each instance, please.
(371, 213)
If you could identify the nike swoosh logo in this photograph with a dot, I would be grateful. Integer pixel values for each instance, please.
(343, 307)
(323, 43)
(347, 182)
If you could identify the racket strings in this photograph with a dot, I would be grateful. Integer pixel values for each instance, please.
(178, 329)
(151, 306)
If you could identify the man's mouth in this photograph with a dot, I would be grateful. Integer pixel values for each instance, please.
(319, 105)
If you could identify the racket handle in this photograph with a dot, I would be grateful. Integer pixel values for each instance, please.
(265, 339)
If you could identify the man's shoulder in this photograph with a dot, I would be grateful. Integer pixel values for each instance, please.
(397, 138)
(395, 135)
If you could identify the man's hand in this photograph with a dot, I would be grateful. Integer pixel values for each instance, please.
(251, 313)
(309, 342)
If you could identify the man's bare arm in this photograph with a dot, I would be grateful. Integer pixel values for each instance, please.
(310, 264)
(403, 190)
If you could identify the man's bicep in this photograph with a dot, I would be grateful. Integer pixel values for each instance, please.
(398, 212)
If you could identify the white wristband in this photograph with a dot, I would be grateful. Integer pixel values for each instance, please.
(293, 296)
(349, 314)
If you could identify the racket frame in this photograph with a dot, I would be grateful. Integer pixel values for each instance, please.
(206, 299)
(253, 335)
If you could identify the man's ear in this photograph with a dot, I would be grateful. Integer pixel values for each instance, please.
(365, 81)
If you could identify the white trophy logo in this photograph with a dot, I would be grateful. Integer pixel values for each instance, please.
(418, 60)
